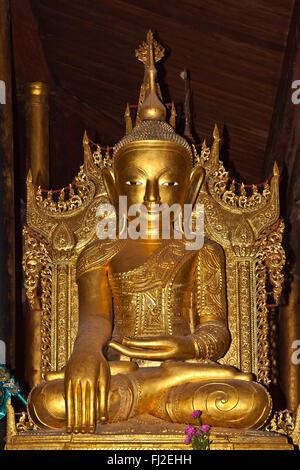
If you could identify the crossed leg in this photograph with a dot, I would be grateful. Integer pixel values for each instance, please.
(171, 392)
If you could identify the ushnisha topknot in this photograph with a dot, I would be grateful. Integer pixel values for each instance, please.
(153, 130)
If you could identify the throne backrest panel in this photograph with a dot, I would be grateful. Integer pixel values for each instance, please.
(243, 220)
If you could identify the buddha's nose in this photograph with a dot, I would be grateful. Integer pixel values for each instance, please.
(152, 192)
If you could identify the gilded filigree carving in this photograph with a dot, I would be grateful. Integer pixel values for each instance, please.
(273, 255)
(38, 271)
(270, 259)
(237, 197)
(62, 242)
(46, 319)
(62, 315)
(246, 333)
(242, 239)
(282, 422)
(25, 423)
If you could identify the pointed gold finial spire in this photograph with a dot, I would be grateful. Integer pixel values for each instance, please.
(107, 156)
(128, 119)
(216, 134)
(85, 138)
(173, 116)
(232, 186)
(29, 176)
(243, 190)
(195, 154)
(61, 197)
(150, 52)
(143, 51)
(71, 191)
(215, 149)
(87, 153)
(275, 169)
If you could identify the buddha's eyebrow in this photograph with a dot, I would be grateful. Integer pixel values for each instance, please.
(137, 169)
(144, 173)
(163, 171)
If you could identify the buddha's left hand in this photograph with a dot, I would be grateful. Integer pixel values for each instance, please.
(157, 348)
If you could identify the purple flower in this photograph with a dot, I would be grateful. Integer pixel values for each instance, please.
(187, 440)
(190, 430)
(196, 414)
(205, 427)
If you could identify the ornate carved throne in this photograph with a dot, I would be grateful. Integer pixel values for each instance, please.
(243, 220)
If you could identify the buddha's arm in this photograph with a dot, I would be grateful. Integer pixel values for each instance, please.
(95, 320)
(211, 336)
(87, 373)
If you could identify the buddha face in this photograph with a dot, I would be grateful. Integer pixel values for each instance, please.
(153, 174)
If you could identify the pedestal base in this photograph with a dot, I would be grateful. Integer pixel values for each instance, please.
(144, 433)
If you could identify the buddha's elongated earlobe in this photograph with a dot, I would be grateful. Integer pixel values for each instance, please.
(109, 183)
(196, 181)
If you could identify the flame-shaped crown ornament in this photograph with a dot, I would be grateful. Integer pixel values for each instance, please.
(152, 108)
(151, 115)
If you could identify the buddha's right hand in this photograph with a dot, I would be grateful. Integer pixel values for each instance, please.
(87, 380)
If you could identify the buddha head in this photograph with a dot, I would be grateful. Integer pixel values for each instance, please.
(152, 165)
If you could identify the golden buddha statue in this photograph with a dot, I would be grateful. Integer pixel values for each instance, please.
(152, 313)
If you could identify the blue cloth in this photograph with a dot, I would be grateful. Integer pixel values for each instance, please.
(8, 387)
(4, 397)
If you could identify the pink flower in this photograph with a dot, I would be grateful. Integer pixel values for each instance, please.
(190, 430)
(187, 440)
(196, 414)
(205, 427)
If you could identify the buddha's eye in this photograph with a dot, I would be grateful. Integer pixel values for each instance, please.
(134, 183)
(170, 183)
